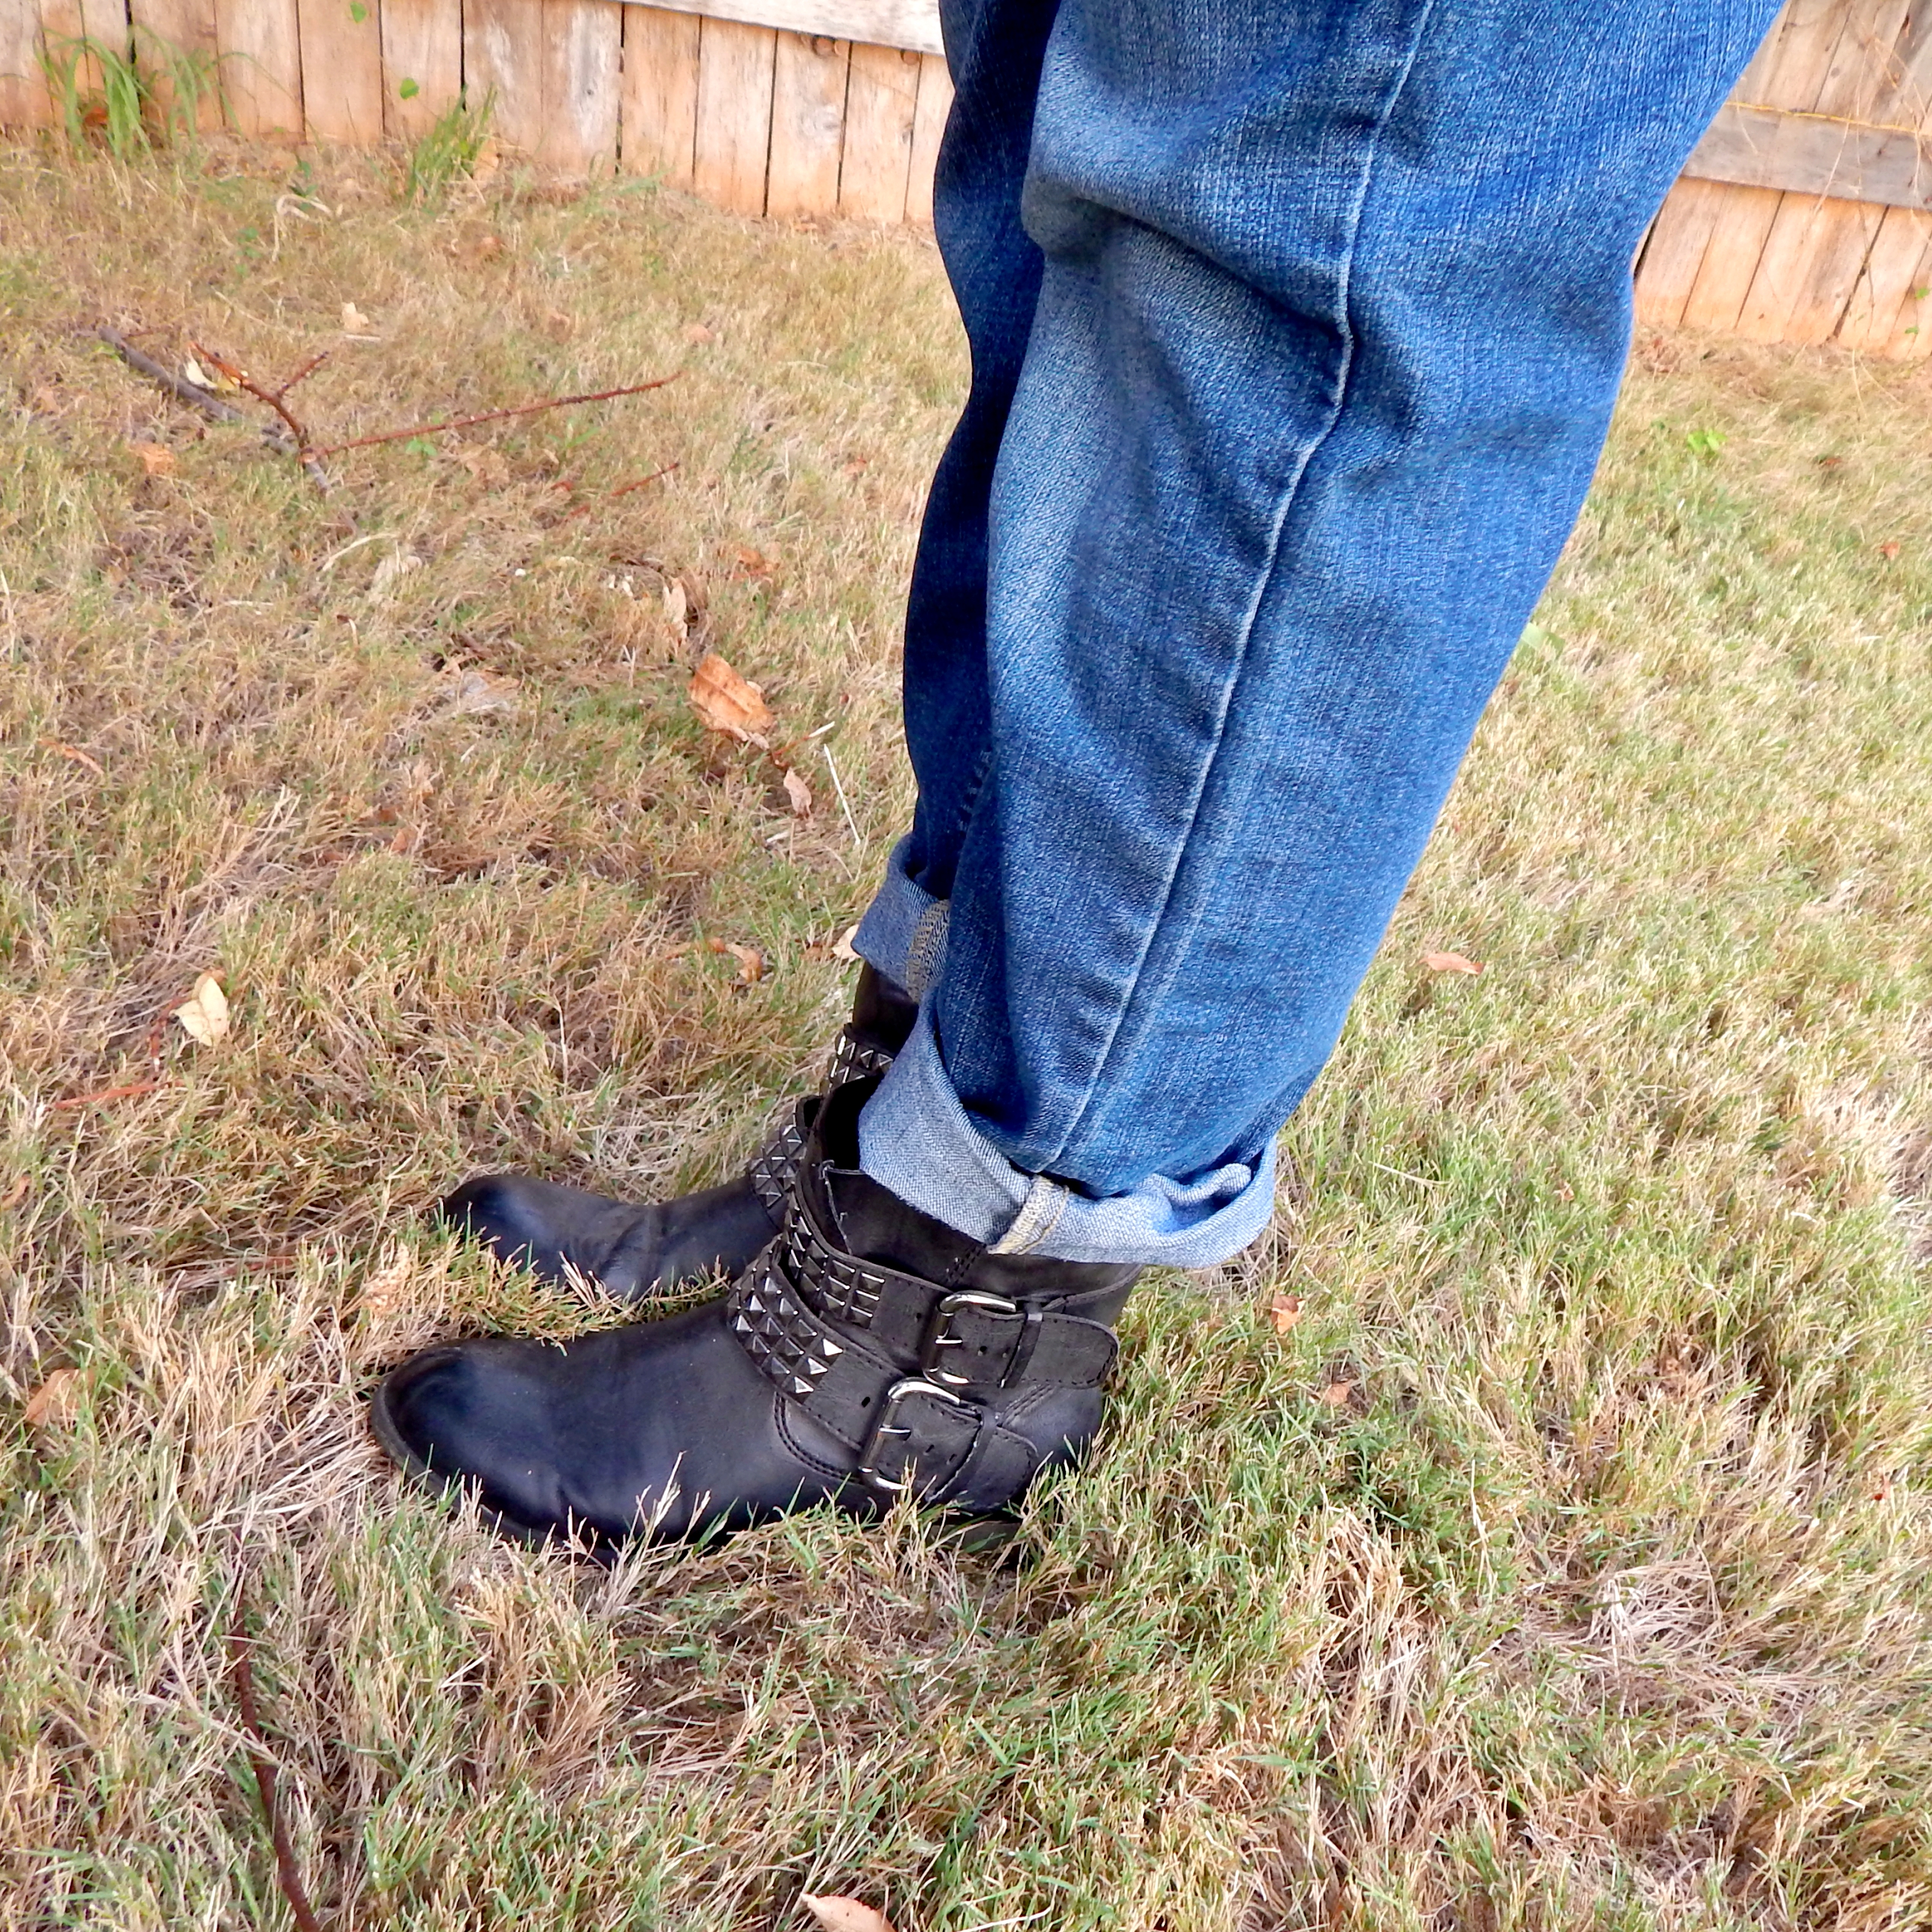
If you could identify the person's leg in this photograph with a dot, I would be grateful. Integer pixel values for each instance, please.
(1335, 305)
(1334, 301)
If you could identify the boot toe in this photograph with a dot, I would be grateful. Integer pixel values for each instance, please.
(513, 1215)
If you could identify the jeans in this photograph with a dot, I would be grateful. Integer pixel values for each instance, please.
(1295, 327)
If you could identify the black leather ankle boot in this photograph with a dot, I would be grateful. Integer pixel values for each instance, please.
(634, 1248)
(867, 1351)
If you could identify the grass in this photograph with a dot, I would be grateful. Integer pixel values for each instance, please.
(1566, 1563)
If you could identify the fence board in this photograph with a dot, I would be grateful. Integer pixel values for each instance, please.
(503, 55)
(1675, 250)
(657, 132)
(735, 65)
(1891, 267)
(23, 100)
(422, 65)
(184, 27)
(880, 104)
(341, 70)
(934, 104)
(808, 77)
(261, 65)
(1812, 259)
(583, 43)
(1911, 337)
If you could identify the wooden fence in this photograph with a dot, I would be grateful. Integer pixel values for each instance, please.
(1805, 215)
(817, 107)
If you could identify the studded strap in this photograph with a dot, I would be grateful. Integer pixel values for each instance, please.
(774, 1164)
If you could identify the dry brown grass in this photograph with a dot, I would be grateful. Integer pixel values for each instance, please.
(1566, 1565)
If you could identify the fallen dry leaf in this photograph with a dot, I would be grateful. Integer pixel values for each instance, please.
(726, 703)
(478, 693)
(558, 326)
(751, 961)
(52, 1405)
(844, 949)
(1889, 549)
(204, 1014)
(798, 793)
(354, 322)
(754, 563)
(677, 603)
(1337, 1394)
(846, 1915)
(74, 752)
(696, 332)
(211, 380)
(486, 466)
(14, 1195)
(489, 159)
(1450, 962)
(157, 458)
(1285, 1311)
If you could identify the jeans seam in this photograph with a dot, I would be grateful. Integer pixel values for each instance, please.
(1345, 371)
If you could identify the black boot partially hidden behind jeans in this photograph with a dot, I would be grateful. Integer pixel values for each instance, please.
(634, 1248)
(868, 1351)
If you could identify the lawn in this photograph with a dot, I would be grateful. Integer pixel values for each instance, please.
(1536, 1531)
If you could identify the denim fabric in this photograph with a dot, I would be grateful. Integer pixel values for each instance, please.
(1295, 331)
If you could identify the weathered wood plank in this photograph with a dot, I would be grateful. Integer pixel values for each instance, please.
(658, 123)
(23, 94)
(735, 65)
(165, 29)
(503, 61)
(934, 104)
(881, 103)
(422, 64)
(582, 56)
(1807, 154)
(1674, 253)
(1724, 276)
(807, 125)
(1812, 259)
(1911, 337)
(1892, 269)
(260, 43)
(885, 23)
(341, 70)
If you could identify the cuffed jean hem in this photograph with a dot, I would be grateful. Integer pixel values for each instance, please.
(916, 1139)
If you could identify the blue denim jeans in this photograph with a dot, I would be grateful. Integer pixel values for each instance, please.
(1295, 329)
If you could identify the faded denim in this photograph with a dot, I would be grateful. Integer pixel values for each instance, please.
(1295, 332)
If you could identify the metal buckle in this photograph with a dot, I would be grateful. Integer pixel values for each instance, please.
(939, 1339)
(897, 1393)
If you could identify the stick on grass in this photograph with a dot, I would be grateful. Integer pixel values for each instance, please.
(288, 1873)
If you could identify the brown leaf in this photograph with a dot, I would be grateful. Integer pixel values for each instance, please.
(798, 793)
(1337, 1394)
(479, 693)
(726, 703)
(354, 322)
(697, 332)
(74, 752)
(750, 963)
(1450, 962)
(844, 949)
(157, 458)
(558, 326)
(204, 1014)
(1285, 1311)
(1889, 549)
(386, 1289)
(52, 1405)
(489, 159)
(846, 1915)
(754, 563)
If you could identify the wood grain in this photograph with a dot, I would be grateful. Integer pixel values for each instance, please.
(1675, 250)
(1813, 258)
(582, 55)
(1893, 267)
(886, 23)
(165, 27)
(260, 45)
(807, 125)
(881, 103)
(735, 65)
(341, 70)
(422, 53)
(503, 62)
(934, 104)
(23, 94)
(658, 117)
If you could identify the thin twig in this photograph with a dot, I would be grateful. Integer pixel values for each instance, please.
(179, 387)
(210, 405)
(125, 1091)
(307, 370)
(622, 489)
(243, 381)
(489, 415)
(288, 1873)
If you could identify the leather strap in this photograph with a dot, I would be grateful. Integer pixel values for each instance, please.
(853, 1057)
